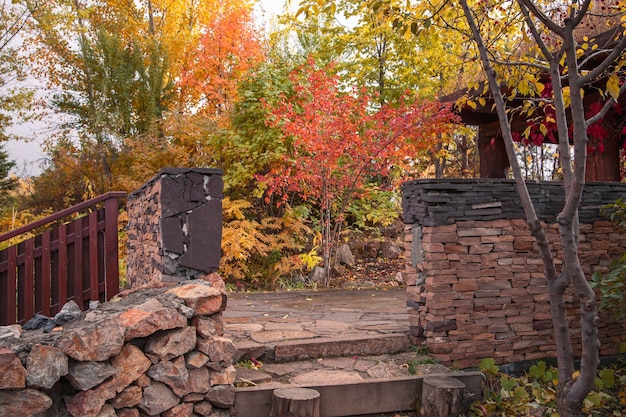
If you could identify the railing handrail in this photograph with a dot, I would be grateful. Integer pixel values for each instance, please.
(60, 214)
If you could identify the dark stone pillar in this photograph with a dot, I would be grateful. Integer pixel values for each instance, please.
(175, 226)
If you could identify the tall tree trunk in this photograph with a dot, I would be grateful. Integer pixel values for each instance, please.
(571, 392)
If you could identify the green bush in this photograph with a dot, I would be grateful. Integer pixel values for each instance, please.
(535, 393)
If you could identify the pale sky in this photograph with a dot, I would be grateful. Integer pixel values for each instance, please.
(28, 156)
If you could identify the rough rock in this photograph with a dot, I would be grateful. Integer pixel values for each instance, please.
(317, 274)
(143, 381)
(200, 296)
(220, 350)
(12, 373)
(209, 326)
(128, 412)
(215, 280)
(203, 408)
(37, 322)
(198, 380)
(69, 312)
(344, 255)
(371, 249)
(86, 375)
(94, 342)
(224, 377)
(13, 331)
(44, 366)
(221, 396)
(130, 364)
(129, 397)
(180, 410)
(107, 411)
(195, 360)
(172, 343)
(157, 398)
(89, 403)
(390, 250)
(23, 403)
(149, 317)
(172, 373)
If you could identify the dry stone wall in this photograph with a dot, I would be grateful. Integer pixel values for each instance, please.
(154, 352)
(175, 226)
(475, 281)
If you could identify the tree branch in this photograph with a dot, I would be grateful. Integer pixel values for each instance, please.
(618, 49)
(610, 102)
(532, 7)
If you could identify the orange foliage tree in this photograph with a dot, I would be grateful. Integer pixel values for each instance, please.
(228, 47)
(337, 142)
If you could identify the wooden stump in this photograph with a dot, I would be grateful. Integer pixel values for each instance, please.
(443, 396)
(295, 402)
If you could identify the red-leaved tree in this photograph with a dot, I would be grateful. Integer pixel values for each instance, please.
(338, 141)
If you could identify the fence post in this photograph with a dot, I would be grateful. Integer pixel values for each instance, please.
(112, 272)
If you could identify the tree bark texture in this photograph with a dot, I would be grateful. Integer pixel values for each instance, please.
(443, 396)
(295, 402)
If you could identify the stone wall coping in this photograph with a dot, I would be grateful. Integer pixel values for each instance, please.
(502, 181)
(436, 202)
(173, 171)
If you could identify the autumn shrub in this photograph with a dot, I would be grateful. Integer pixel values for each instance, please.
(535, 392)
(375, 208)
(257, 253)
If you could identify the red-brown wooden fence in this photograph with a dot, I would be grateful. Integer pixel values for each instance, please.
(77, 260)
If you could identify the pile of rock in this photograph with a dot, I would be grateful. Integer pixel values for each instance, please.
(156, 351)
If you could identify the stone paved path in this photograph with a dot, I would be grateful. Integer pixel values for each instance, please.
(276, 317)
(323, 323)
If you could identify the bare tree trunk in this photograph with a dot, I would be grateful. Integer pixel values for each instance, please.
(571, 392)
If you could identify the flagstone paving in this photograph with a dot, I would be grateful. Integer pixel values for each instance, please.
(325, 328)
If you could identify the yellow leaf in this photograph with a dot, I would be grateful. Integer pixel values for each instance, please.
(543, 129)
(566, 97)
(539, 87)
(612, 86)
(471, 104)
(482, 101)
(523, 87)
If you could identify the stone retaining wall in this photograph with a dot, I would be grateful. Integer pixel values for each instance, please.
(154, 352)
(175, 226)
(475, 282)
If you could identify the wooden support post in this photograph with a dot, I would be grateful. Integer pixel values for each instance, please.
(295, 402)
(443, 396)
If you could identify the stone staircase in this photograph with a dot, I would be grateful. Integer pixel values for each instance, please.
(352, 347)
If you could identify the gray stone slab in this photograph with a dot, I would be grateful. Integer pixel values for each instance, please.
(346, 346)
(281, 336)
(338, 363)
(244, 327)
(326, 377)
(251, 375)
(272, 326)
(281, 369)
(331, 325)
(387, 370)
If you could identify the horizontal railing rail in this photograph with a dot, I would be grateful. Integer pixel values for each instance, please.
(77, 260)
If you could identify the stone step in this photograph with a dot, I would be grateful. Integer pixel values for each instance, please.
(343, 399)
(323, 347)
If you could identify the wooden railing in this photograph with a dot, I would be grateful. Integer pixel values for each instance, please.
(76, 260)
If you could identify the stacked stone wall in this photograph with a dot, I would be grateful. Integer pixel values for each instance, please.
(154, 352)
(475, 281)
(175, 226)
